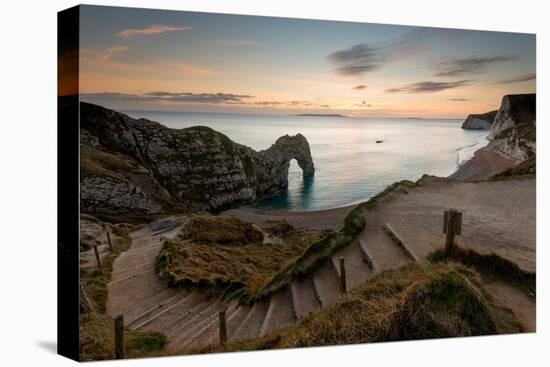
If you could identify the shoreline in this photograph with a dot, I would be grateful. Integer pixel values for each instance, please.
(482, 165)
(317, 219)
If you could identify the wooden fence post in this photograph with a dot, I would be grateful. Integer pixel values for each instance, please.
(109, 239)
(120, 350)
(343, 285)
(452, 225)
(223, 328)
(97, 257)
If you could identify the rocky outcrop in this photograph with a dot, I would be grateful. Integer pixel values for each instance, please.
(513, 133)
(142, 167)
(479, 121)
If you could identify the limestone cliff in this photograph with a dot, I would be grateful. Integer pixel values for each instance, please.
(139, 166)
(479, 121)
(513, 133)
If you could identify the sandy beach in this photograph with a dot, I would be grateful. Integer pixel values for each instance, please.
(318, 219)
(484, 164)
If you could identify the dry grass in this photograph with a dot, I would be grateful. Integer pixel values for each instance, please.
(242, 267)
(490, 265)
(101, 163)
(220, 229)
(413, 302)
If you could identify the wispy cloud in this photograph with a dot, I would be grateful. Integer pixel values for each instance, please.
(428, 87)
(111, 51)
(364, 58)
(357, 60)
(116, 59)
(360, 87)
(518, 79)
(151, 30)
(160, 96)
(289, 104)
(468, 65)
(459, 99)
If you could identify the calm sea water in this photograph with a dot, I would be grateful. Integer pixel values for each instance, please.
(349, 165)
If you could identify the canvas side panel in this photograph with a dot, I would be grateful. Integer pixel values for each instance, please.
(68, 184)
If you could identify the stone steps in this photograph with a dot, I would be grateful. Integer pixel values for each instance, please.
(251, 324)
(154, 312)
(280, 314)
(178, 317)
(134, 310)
(357, 271)
(400, 242)
(304, 297)
(326, 284)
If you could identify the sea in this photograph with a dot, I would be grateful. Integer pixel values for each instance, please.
(355, 158)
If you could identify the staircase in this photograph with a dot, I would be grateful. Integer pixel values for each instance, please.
(190, 318)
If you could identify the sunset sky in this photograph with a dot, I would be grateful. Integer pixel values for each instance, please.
(185, 61)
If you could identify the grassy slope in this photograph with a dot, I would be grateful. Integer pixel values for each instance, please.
(96, 328)
(412, 302)
(227, 257)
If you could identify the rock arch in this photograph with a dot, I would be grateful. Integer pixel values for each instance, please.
(276, 162)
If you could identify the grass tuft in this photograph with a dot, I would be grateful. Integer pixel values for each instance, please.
(491, 265)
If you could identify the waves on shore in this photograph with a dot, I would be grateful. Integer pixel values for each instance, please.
(467, 152)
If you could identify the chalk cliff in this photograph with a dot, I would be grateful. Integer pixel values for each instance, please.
(513, 133)
(139, 166)
(479, 121)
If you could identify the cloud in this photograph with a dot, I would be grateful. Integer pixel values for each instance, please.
(362, 104)
(365, 58)
(151, 30)
(428, 87)
(357, 60)
(289, 104)
(360, 87)
(459, 99)
(111, 51)
(160, 96)
(518, 79)
(468, 65)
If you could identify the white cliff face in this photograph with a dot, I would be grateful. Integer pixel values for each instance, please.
(513, 133)
(479, 121)
(177, 170)
(475, 123)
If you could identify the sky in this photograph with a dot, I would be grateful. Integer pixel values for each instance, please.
(144, 59)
